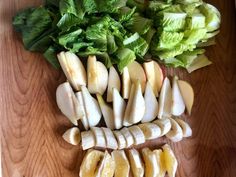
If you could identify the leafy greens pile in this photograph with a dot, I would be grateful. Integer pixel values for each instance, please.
(120, 31)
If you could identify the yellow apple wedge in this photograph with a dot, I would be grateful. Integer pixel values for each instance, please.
(68, 103)
(178, 105)
(154, 76)
(165, 99)
(90, 163)
(150, 163)
(97, 75)
(113, 82)
(151, 104)
(72, 136)
(170, 160)
(121, 163)
(126, 83)
(73, 69)
(92, 109)
(136, 72)
(136, 163)
(187, 93)
(107, 112)
(136, 105)
(119, 106)
(160, 161)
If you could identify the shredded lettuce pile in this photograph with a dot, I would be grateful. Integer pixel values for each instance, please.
(120, 31)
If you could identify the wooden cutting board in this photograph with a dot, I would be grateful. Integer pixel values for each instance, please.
(32, 125)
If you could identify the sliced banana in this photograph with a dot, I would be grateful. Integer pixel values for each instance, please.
(73, 69)
(111, 141)
(138, 135)
(100, 140)
(90, 162)
(176, 133)
(171, 162)
(120, 139)
(106, 167)
(121, 163)
(136, 163)
(160, 161)
(150, 161)
(187, 131)
(87, 140)
(164, 124)
(128, 137)
(150, 130)
(72, 136)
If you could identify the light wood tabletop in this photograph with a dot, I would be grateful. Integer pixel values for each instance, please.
(32, 125)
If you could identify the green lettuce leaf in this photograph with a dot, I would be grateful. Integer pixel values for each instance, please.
(196, 21)
(124, 56)
(51, 55)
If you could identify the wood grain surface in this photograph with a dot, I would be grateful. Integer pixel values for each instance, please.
(32, 125)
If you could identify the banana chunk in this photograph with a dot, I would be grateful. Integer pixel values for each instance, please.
(150, 130)
(90, 163)
(87, 140)
(136, 163)
(176, 133)
(120, 139)
(164, 124)
(150, 161)
(128, 137)
(137, 134)
(111, 141)
(121, 163)
(187, 131)
(100, 140)
(72, 136)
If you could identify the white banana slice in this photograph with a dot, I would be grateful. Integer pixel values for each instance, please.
(107, 112)
(111, 141)
(106, 167)
(73, 69)
(72, 136)
(136, 163)
(90, 163)
(164, 124)
(84, 118)
(150, 130)
(67, 103)
(187, 131)
(121, 163)
(160, 161)
(100, 140)
(128, 137)
(150, 163)
(171, 162)
(120, 139)
(176, 133)
(138, 135)
(87, 140)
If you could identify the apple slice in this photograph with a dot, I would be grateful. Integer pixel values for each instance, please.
(151, 105)
(154, 75)
(136, 104)
(119, 105)
(97, 76)
(84, 118)
(107, 112)
(165, 100)
(72, 136)
(187, 93)
(92, 110)
(113, 82)
(178, 105)
(67, 103)
(136, 72)
(126, 83)
(73, 69)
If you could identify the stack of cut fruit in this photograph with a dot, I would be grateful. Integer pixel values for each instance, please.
(148, 107)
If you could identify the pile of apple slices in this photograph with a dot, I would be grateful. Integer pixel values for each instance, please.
(174, 129)
(140, 86)
(150, 163)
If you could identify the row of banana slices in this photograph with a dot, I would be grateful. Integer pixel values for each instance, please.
(139, 107)
(174, 129)
(150, 164)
